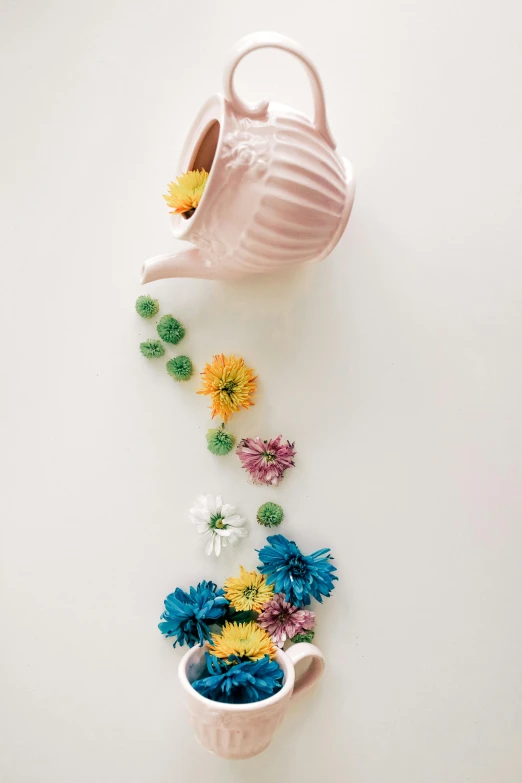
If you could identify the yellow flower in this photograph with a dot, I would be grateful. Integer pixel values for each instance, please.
(249, 591)
(246, 640)
(185, 193)
(230, 384)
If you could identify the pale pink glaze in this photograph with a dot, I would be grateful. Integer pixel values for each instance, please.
(239, 731)
(278, 193)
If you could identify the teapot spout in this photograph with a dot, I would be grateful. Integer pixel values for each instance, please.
(186, 263)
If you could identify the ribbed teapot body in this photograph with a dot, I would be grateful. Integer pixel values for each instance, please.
(277, 195)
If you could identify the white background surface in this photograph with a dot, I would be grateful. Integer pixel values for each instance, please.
(395, 366)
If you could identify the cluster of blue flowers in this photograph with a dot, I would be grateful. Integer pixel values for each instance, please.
(300, 577)
(188, 616)
(240, 682)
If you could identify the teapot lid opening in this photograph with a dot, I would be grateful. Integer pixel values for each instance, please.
(200, 151)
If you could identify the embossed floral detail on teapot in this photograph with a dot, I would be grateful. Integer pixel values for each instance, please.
(242, 149)
(278, 193)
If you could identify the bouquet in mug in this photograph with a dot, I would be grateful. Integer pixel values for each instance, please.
(245, 622)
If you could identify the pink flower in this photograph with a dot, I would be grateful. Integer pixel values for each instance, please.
(283, 620)
(266, 460)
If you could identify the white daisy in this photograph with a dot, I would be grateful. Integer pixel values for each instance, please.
(217, 522)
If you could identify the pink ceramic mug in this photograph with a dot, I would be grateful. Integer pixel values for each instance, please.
(239, 731)
(278, 193)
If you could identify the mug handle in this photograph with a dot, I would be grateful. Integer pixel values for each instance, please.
(298, 652)
(275, 41)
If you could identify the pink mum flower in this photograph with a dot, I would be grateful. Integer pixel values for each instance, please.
(266, 460)
(283, 620)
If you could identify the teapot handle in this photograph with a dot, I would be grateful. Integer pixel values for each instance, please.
(275, 41)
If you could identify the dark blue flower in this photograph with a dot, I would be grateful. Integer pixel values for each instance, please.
(296, 575)
(187, 616)
(240, 683)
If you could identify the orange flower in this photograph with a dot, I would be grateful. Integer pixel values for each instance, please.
(230, 385)
(185, 193)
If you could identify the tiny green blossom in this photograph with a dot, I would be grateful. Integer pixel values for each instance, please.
(146, 306)
(180, 368)
(306, 636)
(220, 442)
(270, 515)
(170, 329)
(152, 349)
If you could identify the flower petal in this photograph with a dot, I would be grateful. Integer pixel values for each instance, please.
(210, 545)
(199, 515)
(211, 503)
(236, 521)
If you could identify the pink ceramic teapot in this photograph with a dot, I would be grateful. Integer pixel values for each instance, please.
(278, 193)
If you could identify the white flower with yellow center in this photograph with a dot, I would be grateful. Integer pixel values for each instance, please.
(218, 523)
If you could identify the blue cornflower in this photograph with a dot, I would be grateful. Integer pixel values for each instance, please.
(187, 616)
(296, 575)
(240, 683)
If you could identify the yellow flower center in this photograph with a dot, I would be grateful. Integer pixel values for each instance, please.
(228, 387)
(218, 522)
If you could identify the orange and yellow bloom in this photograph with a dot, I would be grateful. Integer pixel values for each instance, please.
(229, 383)
(185, 193)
